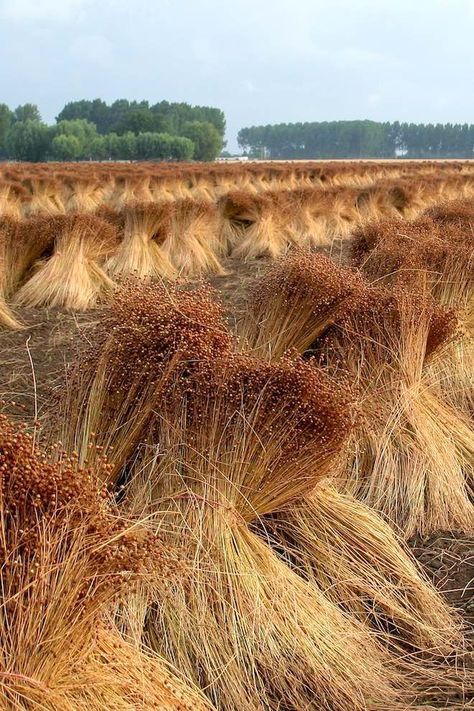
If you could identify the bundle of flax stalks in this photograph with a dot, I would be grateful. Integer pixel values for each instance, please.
(148, 336)
(71, 274)
(67, 556)
(434, 253)
(223, 454)
(330, 537)
(412, 453)
(192, 238)
(255, 225)
(240, 441)
(8, 232)
(140, 252)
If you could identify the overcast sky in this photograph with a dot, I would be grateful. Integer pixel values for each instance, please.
(262, 61)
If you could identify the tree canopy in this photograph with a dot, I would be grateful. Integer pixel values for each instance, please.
(139, 116)
(123, 130)
(205, 137)
(28, 140)
(358, 139)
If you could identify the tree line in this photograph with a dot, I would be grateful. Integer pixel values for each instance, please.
(358, 139)
(123, 130)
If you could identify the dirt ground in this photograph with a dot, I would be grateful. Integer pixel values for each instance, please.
(32, 362)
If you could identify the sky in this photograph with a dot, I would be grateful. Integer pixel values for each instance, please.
(261, 61)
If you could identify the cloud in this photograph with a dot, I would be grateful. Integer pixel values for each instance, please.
(50, 10)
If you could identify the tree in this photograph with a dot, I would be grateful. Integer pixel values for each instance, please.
(163, 146)
(206, 138)
(28, 140)
(96, 112)
(27, 112)
(181, 148)
(98, 148)
(83, 131)
(127, 146)
(136, 121)
(65, 147)
(138, 116)
(6, 120)
(357, 139)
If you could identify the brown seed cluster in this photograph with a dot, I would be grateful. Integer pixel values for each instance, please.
(290, 396)
(396, 237)
(295, 301)
(150, 338)
(454, 213)
(150, 324)
(112, 216)
(380, 322)
(290, 408)
(309, 278)
(437, 247)
(41, 491)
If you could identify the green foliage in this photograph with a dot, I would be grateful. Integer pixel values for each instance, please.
(148, 145)
(65, 147)
(206, 138)
(123, 130)
(95, 111)
(139, 117)
(136, 121)
(163, 146)
(125, 146)
(28, 140)
(83, 131)
(358, 139)
(27, 112)
(6, 120)
(116, 146)
(172, 117)
(98, 148)
(181, 148)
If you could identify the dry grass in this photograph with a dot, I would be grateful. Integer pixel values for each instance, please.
(412, 456)
(254, 225)
(433, 253)
(346, 550)
(44, 196)
(8, 231)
